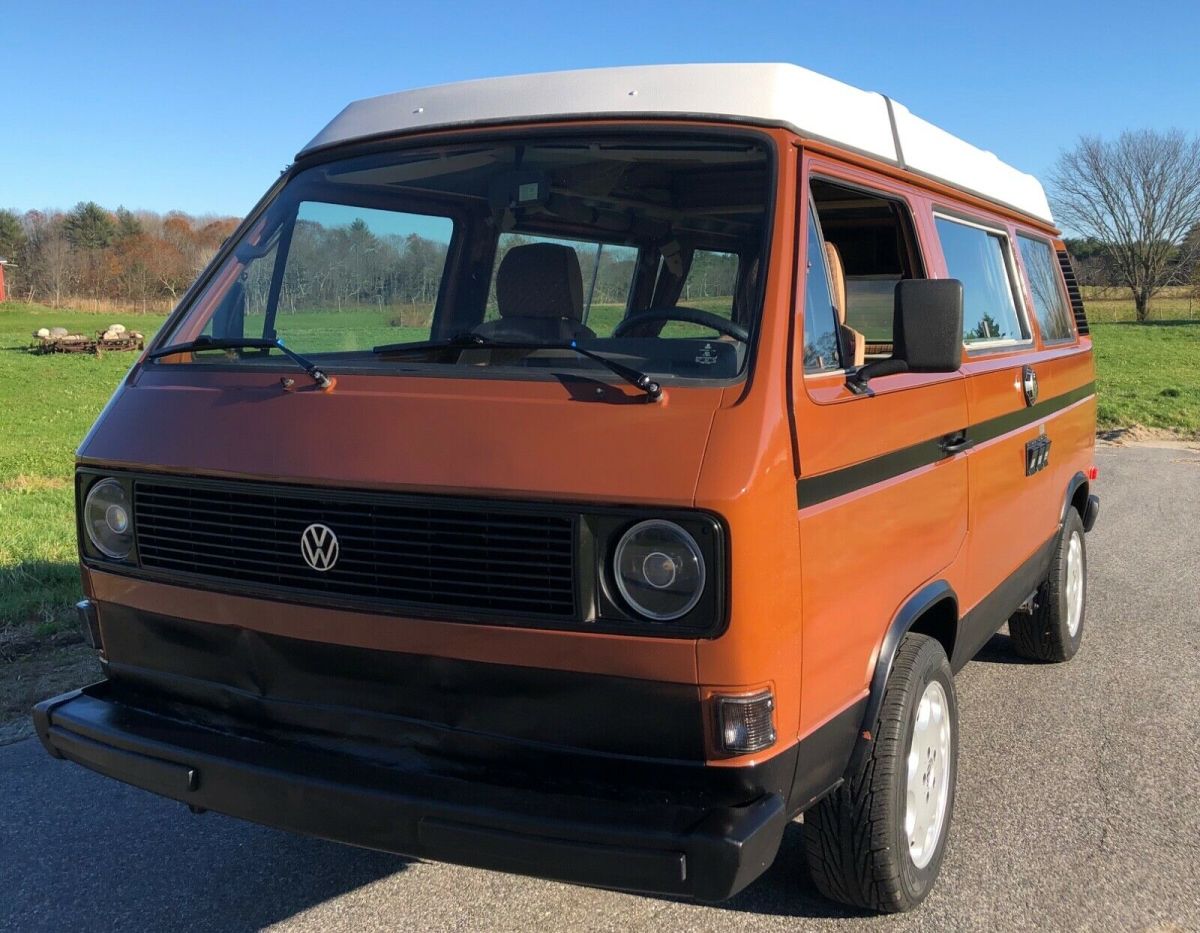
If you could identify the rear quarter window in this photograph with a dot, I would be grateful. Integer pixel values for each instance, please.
(1045, 289)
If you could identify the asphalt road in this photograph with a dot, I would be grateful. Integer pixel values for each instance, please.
(1078, 798)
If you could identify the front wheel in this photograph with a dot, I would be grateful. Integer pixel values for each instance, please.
(877, 841)
(1053, 631)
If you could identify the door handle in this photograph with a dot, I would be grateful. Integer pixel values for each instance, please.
(955, 443)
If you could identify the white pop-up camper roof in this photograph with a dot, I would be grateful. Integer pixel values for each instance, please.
(813, 105)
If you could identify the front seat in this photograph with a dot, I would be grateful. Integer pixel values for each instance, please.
(539, 293)
(854, 343)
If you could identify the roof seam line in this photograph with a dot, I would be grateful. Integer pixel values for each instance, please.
(895, 132)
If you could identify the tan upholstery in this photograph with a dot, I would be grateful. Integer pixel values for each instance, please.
(837, 279)
(854, 342)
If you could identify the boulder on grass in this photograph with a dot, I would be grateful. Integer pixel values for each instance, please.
(58, 332)
(42, 333)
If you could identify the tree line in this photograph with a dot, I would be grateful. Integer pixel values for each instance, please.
(337, 267)
(139, 258)
(1094, 265)
(1132, 202)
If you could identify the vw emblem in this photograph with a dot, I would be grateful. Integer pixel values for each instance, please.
(1029, 382)
(319, 545)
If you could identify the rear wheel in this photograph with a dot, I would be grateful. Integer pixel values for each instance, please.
(1054, 630)
(877, 841)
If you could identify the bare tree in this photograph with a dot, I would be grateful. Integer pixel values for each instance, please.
(1139, 195)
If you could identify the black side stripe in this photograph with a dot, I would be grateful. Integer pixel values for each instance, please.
(812, 490)
(1002, 424)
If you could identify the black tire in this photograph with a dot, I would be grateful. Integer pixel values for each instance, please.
(855, 839)
(1045, 634)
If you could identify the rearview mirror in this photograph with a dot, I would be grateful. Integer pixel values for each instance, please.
(927, 331)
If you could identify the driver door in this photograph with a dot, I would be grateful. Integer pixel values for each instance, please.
(882, 508)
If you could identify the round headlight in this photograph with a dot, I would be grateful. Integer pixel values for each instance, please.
(659, 570)
(106, 519)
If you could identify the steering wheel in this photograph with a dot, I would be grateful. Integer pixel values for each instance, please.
(637, 325)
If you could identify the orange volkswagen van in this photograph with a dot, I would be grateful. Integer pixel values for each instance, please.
(585, 474)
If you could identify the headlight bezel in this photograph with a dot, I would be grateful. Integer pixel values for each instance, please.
(92, 551)
(611, 612)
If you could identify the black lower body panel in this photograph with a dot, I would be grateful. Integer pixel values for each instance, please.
(985, 620)
(663, 845)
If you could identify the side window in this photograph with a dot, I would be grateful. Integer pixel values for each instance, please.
(979, 258)
(711, 282)
(1049, 300)
(872, 239)
(820, 319)
(607, 271)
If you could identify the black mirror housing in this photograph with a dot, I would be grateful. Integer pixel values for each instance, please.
(927, 332)
(928, 325)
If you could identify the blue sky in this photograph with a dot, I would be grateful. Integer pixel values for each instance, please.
(156, 105)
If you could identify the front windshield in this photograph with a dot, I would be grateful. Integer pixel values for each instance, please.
(648, 250)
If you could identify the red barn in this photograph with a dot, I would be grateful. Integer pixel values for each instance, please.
(3, 295)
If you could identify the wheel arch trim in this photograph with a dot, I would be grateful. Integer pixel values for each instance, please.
(1077, 481)
(917, 607)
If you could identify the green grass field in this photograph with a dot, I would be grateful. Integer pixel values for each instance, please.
(1148, 375)
(47, 404)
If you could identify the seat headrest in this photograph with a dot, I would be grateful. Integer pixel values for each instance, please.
(540, 280)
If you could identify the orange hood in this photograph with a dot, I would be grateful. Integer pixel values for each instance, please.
(576, 439)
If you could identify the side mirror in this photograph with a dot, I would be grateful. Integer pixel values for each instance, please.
(927, 331)
(928, 325)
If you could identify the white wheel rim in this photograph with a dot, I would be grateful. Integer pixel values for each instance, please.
(1074, 584)
(928, 785)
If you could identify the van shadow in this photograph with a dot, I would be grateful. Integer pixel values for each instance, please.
(255, 877)
(138, 861)
(999, 650)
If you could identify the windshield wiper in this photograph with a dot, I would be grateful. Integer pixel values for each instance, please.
(204, 342)
(635, 378)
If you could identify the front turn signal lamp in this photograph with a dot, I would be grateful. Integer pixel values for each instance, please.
(746, 723)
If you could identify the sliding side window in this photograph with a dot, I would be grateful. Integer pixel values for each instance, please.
(979, 258)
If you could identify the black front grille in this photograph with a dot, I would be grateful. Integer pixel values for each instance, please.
(1081, 323)
(401, 551)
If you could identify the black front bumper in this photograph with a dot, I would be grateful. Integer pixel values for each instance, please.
(639, 842)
